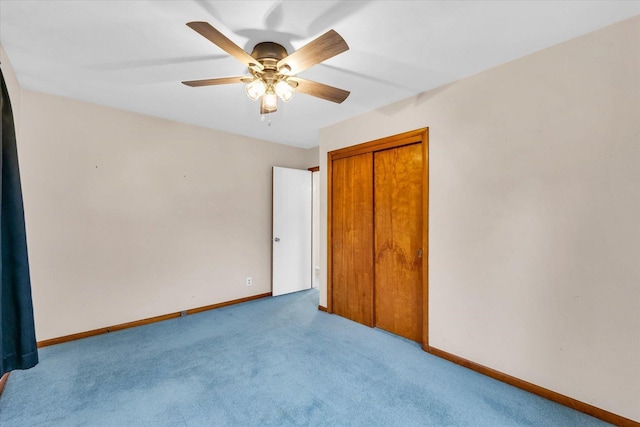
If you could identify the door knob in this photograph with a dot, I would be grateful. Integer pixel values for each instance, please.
(277, 239)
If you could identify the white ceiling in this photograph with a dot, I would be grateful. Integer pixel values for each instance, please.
(133, 54)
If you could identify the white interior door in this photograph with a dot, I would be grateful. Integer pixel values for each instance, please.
(291, 269)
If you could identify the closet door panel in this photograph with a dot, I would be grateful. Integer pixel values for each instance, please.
(398, 240)
(352, 238)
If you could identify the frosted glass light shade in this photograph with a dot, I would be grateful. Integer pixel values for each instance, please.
(255, 89)
(284, 91)
(269, 102)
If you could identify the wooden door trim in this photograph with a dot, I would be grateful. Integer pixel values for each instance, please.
(399, 140)
(425, 239)
(416, 136)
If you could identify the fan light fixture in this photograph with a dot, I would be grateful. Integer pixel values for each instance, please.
(269, 102)
(272, 72)
(255, 89)
(284, 91)
(268, 93)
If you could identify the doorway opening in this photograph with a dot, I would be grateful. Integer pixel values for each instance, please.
(315, 227)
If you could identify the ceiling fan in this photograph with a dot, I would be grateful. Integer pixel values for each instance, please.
(273, 71)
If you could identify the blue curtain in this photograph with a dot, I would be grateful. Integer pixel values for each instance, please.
(18, 347)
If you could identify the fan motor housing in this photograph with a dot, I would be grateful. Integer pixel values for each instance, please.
(269, 53)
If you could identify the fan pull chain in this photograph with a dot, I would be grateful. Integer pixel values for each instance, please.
(262, 118)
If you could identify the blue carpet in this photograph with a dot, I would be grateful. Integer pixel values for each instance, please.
(270, 362)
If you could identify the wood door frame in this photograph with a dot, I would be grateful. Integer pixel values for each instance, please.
(406, 138)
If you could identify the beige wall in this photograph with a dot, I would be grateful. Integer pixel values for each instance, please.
(130, 216)
(13, 87)
(313, 154)
(534, 245)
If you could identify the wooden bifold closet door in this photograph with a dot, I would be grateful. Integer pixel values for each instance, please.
(352, 238)
(377, 251)
(398, 240)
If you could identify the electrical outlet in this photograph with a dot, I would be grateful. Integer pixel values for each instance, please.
(249, 281)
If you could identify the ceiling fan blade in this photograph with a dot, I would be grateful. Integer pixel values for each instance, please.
(320, 90)
(324, 47)
(216, 37)
(218, 81)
